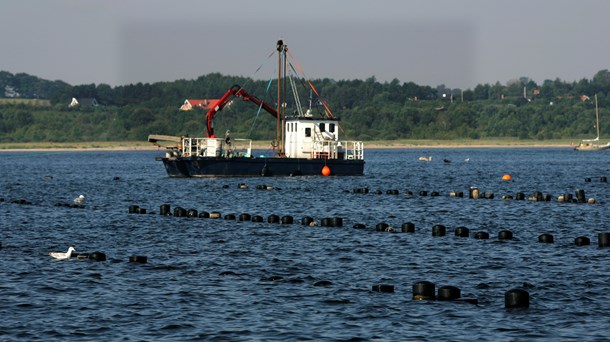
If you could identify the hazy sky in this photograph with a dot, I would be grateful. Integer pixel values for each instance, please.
(459, 43)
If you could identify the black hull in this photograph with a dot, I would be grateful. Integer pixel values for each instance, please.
(249, 167)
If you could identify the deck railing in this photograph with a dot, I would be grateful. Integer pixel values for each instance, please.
(354, 150)
(216, 147)
(340, 150)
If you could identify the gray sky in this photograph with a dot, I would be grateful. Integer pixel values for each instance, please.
(459, 43)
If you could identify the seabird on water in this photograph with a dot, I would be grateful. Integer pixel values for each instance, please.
(79, 200)
(62, 255)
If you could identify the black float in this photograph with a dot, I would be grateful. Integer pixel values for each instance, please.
(307, 220)
(462, 232)
(505, 235)
(439, 230)
(336, 221)
(381, 227)
(516, 298)
(449, 293)
(481, 235)
(383, 288)
(323, 283)
(141, 259)
(97, 256)
(582, 241)
(537, 197)
(179, 212)
(192, 213)
(361, 190)
(546, 238)
(408, 227)
(603, 239)
(424, 290)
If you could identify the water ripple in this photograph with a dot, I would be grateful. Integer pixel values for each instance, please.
(217, 279)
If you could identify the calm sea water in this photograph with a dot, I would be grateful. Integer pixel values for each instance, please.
(216, 279)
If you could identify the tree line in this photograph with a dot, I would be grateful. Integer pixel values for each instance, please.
(369, 109)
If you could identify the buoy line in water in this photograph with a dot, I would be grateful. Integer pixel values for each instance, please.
(408, 227)
(516, 298)
(58, 204)
(473, 193)
(437, 230)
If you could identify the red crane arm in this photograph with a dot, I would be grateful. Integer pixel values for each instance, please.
(236, 91)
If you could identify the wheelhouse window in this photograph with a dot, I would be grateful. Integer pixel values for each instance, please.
(308, 132)
(331, 128)
(322, 127)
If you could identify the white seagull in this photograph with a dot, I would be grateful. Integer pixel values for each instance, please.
(79, 200)
(62, 255)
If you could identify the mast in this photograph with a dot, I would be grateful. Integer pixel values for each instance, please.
(596, 117)
(280, 50)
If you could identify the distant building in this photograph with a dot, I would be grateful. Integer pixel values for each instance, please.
(191, 104)
(85, 102)
(10, 92)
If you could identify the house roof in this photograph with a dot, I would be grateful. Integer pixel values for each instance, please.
(199, 103)
(85, 101)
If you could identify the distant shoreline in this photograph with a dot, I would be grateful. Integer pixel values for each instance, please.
(264, 145)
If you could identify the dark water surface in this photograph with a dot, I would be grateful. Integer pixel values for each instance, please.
(216, 279)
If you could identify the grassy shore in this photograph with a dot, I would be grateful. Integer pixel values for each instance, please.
(27, 102)
(78, 146)
(376, 144)
(470, 143)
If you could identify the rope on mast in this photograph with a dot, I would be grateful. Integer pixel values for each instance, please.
(259, 108)
(258, 69)
(328, 111)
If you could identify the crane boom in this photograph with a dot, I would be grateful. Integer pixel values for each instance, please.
(234, 91)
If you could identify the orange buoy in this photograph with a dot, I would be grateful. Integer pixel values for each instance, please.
(326, 171)
(506, 177)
